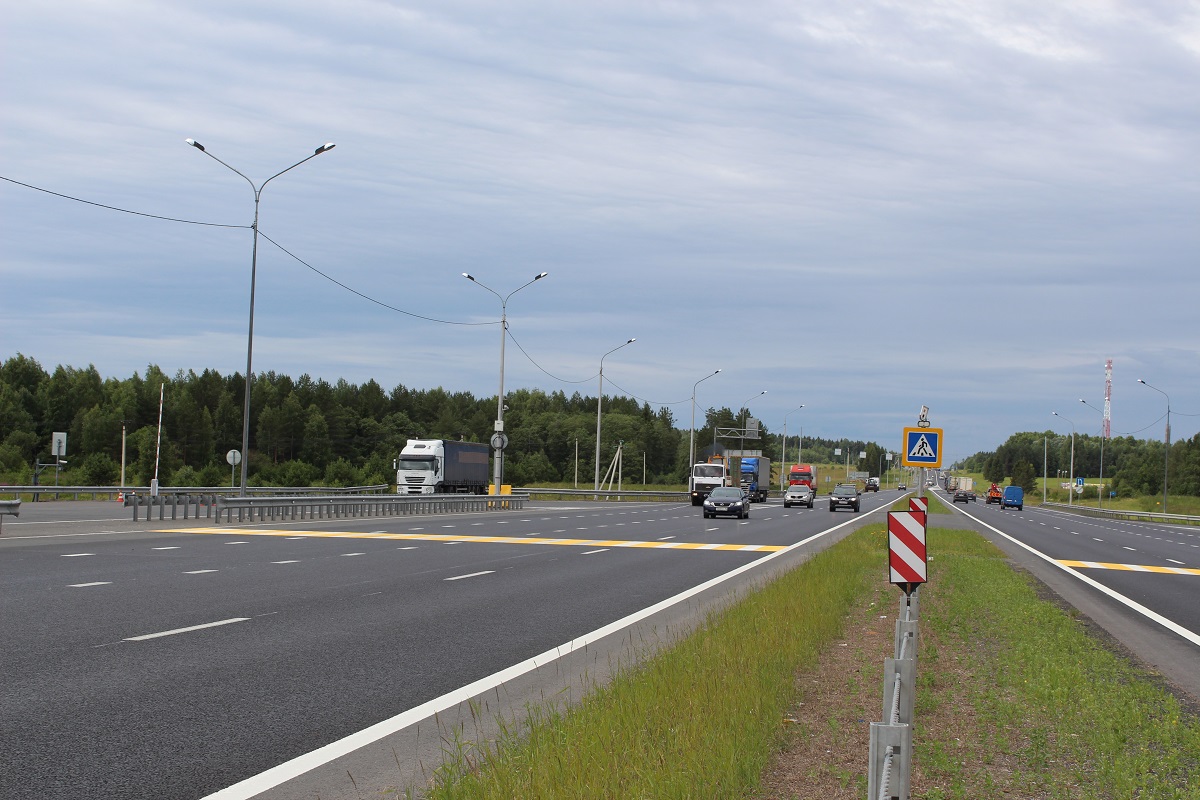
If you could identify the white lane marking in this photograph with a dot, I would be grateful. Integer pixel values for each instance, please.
(237, 543)
(665, 538)
(146, 636)
(199, 571)
(294, 538)
(345, 555)
(1129, 548)
(590, 552)
(409, 547)
(165, 548)
(285, 562)
(93, 583)
(1173, 561)
(277, 775)
(76, 555)
(471, 575)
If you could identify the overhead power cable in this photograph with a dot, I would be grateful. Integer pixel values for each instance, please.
(122, 210)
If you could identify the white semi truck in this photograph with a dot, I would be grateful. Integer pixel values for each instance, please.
(442, 466)
(705, 477)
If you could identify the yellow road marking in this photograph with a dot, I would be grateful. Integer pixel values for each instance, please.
(445, 537)
(1131, 567)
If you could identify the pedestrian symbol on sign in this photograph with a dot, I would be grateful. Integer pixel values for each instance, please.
(922, 449)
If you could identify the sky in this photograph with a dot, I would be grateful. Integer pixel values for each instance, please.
(860, 208)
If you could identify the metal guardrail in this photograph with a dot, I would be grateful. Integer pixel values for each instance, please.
(607, 494)
(891, 740)
(112, 492)
(10, 508)
(1140, 516)
(262, 509)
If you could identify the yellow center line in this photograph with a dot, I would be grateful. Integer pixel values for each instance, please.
(445, 537)
(1131, 567)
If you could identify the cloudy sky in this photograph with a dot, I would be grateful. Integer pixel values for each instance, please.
(862, 207)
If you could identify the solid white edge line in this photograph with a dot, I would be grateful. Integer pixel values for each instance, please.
(1173, 627)
(146, 636)
(257, 784)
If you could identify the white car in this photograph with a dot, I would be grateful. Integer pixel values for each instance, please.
(798, 494)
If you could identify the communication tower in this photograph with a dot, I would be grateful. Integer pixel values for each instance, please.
(1104, 433)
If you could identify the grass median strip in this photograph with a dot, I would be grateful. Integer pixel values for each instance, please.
(1015, 698)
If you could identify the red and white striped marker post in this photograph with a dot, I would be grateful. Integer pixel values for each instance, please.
(906, 549)
(918, 504)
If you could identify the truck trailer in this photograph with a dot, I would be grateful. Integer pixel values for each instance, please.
(756, 477)
(442, 466)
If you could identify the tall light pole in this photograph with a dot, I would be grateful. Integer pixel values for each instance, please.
(783, 450)
(746, 405)
(1071, 490)
(599, 400)
(692, 435)
(1099, 494)
(1167, 457)
(499, 440)
(325, 148)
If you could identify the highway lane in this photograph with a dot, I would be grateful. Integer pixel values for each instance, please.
(174, 662)
(1138, 581)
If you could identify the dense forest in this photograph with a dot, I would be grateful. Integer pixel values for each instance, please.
(307, 432)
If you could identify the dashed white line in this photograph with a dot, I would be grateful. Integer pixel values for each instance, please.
(199, 571)
(345, 555)
(285, 562)
(164, 548)
(93, 583)
(471, 575)
(76, 555)
(591, 552)
(146, 636)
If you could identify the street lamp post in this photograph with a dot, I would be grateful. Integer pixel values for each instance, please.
(1071, 478)
(499, 440)
(692, 435)
(599, 401)
(1100, 493)
(783, 450)
(253, 270)
(1167, 456)
(746, 405)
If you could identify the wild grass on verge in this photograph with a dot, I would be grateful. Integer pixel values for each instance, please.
(1055, 714)
(700, 720)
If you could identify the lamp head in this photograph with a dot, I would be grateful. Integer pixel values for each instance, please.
(325, 148)
(1140, 380)
(540, 275)
(631, 341)
(195, 144)
(468, 277)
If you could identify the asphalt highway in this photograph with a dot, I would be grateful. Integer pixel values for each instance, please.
(145, 660)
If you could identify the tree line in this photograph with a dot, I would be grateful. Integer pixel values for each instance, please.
(1132, 467)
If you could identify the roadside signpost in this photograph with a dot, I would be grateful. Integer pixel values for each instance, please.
(906, 549)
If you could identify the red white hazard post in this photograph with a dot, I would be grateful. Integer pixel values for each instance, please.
(906, 549)
(918, 504)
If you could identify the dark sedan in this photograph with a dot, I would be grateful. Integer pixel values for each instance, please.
(727, 500)
(844, 495)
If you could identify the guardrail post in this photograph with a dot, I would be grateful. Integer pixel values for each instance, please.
(891, 760)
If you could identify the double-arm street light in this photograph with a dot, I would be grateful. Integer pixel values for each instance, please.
(1099, 494)
(599, 400)
(1071, 489)
(692, 435)
(1167, 439)
(325, 148)
(499, 440)
(783, 450)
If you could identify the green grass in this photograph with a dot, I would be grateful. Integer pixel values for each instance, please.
(1020, 682)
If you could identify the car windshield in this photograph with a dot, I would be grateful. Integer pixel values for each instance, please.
(708, 471)
(800, 476)
(846, 490)
(726, 493)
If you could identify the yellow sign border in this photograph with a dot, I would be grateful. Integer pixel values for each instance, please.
(941, 441)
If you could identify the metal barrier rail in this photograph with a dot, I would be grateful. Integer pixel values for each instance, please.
(1140, 516)
(113, 491)
(891, 740)
(262, 509)
(608, 494)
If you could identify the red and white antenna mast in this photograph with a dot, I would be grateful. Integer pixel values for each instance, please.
(1107, 399)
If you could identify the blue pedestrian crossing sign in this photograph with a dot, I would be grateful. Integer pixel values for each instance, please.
(922, 447)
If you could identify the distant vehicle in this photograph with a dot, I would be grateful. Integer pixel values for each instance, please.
(442, 466)
(732, 500)
(705, 478)
(1013, 497)
(993, 494)
(844, 495)
(798, 494)
(756, 477)
(872, 484)
(966, 483)
(805, 474)
(964, 496)
(902, 487)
